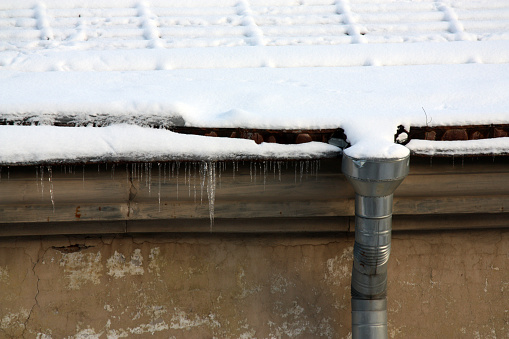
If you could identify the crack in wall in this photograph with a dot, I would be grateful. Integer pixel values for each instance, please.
(275, 274)
(36, 301)
(71, 248)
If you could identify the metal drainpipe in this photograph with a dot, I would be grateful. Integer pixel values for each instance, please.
(374, 182)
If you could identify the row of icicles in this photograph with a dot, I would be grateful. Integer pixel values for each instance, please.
(206, 175)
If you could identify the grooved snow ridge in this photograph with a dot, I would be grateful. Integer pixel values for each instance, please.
(73, 26)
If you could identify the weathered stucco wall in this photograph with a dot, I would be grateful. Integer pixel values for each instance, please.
(442, 285)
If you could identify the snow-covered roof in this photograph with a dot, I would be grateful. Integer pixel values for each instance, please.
(364, 66)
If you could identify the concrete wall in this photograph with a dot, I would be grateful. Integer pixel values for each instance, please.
(441, 285)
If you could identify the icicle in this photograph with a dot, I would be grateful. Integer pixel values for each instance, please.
(194, 180)
(113, 172)
(234, 170)
(264, 174)
(36, 176)
(295, 166)
(50, 179)
(159, 185)
(254, 172)
(301, 163)
(127, 173)
(145, 171)
(185, 173)
(190, 176)
(211, 190)
(83, 176)
(203, 169)
(164, 173)
(189, 180)
(42, 182)
(8, 173)
(178, 170)
(140, 173)
(279, 168)
(251, 170)
(220, 169)
(149, 177)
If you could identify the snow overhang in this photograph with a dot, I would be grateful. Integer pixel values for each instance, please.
(480, 140)
(245, 68)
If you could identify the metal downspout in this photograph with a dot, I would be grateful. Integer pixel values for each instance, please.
(374, 182)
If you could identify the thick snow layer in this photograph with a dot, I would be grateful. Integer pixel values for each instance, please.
(460, 52)
(498, 146)
(356, 98)
(368, 102)
(366, 67)
(51, 144)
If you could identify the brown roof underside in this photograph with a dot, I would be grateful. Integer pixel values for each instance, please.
(297, 136)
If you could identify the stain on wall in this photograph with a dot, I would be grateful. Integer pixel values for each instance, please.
(442, 284)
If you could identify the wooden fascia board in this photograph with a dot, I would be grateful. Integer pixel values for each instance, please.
(93, 199)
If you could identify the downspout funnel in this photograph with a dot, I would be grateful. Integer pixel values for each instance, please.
(374, 182)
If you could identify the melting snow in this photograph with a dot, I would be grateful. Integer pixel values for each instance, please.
(34, 144)
(469, 147)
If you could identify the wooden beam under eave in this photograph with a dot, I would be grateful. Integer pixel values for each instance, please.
(246, 202)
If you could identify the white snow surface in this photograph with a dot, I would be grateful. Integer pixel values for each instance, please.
(496, 146)
(365, 66)
(52, 144)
